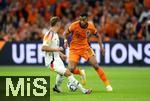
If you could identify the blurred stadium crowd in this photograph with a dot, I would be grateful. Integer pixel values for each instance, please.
(26, 20)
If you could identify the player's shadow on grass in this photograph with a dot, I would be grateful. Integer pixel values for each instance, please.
(66, 93)
(79, 93)
(101, 92)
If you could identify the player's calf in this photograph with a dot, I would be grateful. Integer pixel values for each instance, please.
(103, 77)
(95, 66)
(67, 73)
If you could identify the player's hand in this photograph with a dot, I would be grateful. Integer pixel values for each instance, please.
(60, 49)
(65, 43)
(103, 51)
(63, 57)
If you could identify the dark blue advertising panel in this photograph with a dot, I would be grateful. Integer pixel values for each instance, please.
(116, 53)
(23, 53)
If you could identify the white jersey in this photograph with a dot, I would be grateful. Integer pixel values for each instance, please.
(52, 59)
(51, 39)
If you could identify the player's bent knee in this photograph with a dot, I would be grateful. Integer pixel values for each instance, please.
(71, 70)
(96, 66)
(67, 73)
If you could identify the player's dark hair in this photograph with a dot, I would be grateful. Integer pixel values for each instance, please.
(54, 20)
(84, 15)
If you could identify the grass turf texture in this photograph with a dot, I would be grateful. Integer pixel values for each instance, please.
(130, 84)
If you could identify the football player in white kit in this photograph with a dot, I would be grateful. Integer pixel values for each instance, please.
(53, 57)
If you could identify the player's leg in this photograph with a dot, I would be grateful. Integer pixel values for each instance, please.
(72, 65)
(76, 82)
(77, 71)
(59, 80)
(90, 56)
(60, 68)
(100, 72)
(82, 73)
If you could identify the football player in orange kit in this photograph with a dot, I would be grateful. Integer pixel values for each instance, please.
(79, 46)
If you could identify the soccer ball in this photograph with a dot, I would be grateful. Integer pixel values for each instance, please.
(71, 87)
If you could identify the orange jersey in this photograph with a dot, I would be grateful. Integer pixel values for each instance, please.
(80, 35)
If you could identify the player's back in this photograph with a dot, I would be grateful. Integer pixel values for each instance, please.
(79, 38)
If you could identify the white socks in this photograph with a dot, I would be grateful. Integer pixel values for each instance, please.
(76, 83)
(59, 79)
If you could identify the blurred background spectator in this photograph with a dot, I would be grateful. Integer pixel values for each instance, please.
(26, 20)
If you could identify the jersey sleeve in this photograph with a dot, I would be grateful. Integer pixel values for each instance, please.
(47, 39)
(72, 26)
(93, 28)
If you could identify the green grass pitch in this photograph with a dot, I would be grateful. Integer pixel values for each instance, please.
(129, 84)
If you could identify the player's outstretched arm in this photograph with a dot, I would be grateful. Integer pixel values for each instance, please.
(100, 44)
(62, 56)
(66, 35)
(49, 49)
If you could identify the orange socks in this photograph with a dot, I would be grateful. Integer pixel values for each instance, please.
(100, 72)
(102, 75)
(77, 71)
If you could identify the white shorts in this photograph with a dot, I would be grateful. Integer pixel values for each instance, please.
(58, 66)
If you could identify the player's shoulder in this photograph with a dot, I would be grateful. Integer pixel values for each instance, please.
(74, 23)
(90, 23)
(92, 27)
(48, 35)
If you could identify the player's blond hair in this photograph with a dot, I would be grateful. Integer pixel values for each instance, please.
(54, 20)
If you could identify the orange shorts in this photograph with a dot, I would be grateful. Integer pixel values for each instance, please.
(75, 55)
